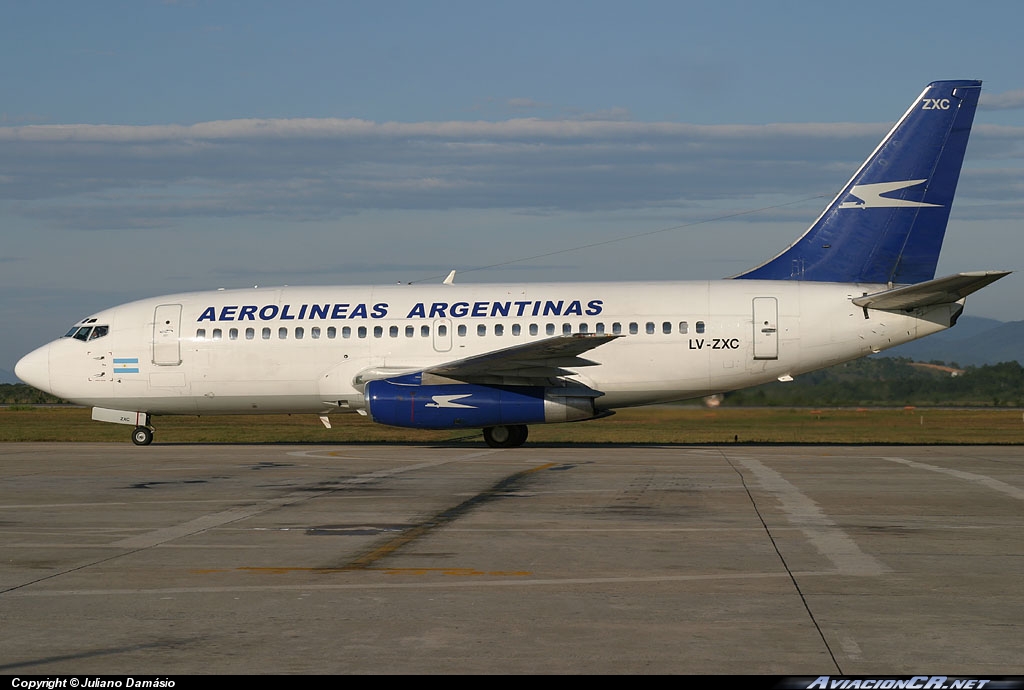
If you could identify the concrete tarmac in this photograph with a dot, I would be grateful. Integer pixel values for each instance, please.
(384, 559)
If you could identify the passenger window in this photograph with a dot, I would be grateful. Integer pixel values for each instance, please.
(233, 334)
(266, 334)
(600, 329)
(666, 328)
(584, 328)
(250, 333)
(442, 330)
(332, 332)
(346, 332)
(516, 329)
(499, 329)
(424, 331)
(217, 334)
(634, 328)
(393, 331)
(462, 330)
(533, 329)
(683, 327)
(616, 328)
(481, 330)
(650, 328)
(299, 332)
(378, 331)
(200, 334)
(550, 329)
(282, 333)
(700, 326)
(361, 332)
(566, 329)
(410, 331)
(314, 332)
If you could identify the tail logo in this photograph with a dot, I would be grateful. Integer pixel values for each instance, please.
(870, 196)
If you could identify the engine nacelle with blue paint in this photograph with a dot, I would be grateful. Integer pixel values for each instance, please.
(464, 405)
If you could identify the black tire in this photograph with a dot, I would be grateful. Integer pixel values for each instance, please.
(511, 436)
(142, 436)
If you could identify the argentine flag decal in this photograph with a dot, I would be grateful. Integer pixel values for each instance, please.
(126, 365)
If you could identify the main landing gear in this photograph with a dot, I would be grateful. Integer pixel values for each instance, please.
(511, 436)
(142, 436)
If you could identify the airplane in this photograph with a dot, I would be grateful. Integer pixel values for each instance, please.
(499, 358)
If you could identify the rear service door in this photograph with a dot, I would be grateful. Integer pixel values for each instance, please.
(766, 328)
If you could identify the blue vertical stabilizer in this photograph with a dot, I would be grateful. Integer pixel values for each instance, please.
(887, 223)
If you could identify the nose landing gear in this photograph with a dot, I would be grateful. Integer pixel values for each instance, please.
(142, 435)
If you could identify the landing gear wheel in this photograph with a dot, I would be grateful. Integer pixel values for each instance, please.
(142, 436)
(511, 436)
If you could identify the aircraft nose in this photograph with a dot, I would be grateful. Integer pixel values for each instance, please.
(34, 368)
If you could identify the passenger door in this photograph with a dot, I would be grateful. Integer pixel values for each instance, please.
(166, 334)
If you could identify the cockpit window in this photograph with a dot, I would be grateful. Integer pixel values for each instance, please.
(86, 333)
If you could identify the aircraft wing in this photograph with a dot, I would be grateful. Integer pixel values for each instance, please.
(526, 363)
(529, 364)
(938, 291)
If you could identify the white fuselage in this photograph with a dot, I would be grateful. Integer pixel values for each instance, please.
(307, 349)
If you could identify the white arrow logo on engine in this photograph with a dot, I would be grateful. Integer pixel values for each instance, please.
(449, 401)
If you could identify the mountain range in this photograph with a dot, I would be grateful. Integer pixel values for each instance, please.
(974, 341)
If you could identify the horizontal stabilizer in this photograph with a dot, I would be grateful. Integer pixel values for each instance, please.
(939, 291)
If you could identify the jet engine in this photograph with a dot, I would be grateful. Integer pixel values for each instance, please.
(464, 405)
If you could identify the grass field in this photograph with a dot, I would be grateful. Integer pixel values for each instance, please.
(656, 425)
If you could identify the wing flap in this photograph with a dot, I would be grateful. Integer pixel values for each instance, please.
(945, 290)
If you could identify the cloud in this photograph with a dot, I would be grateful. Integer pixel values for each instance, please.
(349, 129)
(127, 176)
(616, 113)
(525, 104)
(1008, 100)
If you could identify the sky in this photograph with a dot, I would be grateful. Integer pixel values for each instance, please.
(149, 148)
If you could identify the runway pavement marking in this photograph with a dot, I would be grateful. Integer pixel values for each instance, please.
(981, 479)
(450, 583)
(27, 506)
(324, 454)
(850, 647)
(451, 571)
(823, 533)
(200, 524)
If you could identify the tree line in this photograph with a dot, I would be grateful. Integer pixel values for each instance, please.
(887, 381)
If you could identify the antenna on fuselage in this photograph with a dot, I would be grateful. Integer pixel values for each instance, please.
(450, 279)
